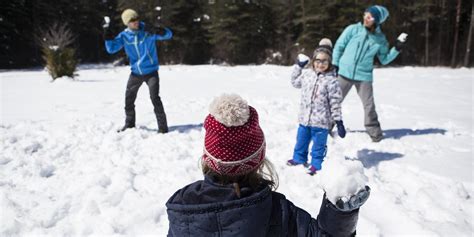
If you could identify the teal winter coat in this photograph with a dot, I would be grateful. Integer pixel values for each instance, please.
(140, 47)
(355, 50)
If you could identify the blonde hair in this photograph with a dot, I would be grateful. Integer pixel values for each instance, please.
(264, 175)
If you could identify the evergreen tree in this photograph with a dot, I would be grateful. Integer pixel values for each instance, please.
(240, 31)
(223, 31)
(190, 44)
(285, 30)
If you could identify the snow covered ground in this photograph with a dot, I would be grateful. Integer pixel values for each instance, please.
(65, 171)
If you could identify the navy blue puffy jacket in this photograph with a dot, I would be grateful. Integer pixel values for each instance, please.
(205, 208)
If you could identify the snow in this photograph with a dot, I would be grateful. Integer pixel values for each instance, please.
(341, 178)
(65, 171)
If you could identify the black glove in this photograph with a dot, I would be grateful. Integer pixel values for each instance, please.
(341, 130)
(399, 46)
(401, 40)
(302, 60)
(158, 29)
(106, 23)
(336, 70)
(355, 201)
(336, 222)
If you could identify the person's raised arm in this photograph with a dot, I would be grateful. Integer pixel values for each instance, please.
(112, 44)
(166, 35)
(345, 192)
(296, 75)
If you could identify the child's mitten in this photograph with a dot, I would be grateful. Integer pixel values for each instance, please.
(341, 130)
(302, 60)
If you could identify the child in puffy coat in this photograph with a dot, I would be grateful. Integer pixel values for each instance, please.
(236, 198)
(320, 105)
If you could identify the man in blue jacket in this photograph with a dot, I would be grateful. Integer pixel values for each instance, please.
(353, 57)
(140, 47)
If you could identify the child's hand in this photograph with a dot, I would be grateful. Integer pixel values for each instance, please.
(336, 70)
(354, 202)
(345, 183)
(341, 130)
(302, 60)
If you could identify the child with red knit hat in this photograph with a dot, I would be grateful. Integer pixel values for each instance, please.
(236, 197)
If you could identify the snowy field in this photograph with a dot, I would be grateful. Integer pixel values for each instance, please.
(64, 171)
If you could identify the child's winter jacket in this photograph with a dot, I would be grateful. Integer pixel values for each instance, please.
(321, 97)
(206, 208)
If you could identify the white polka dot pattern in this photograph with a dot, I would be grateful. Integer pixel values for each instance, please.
(234, 150)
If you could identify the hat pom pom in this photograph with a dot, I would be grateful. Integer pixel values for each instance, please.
(325, 41)
(230, 110)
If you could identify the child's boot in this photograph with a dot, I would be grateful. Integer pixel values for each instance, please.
(294, 163)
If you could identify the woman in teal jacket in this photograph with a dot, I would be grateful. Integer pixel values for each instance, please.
(353, 57)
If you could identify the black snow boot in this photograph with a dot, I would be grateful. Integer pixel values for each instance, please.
(125, 127)
(377, 138)
(163, 130)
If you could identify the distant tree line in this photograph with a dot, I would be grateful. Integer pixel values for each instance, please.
(239, 31)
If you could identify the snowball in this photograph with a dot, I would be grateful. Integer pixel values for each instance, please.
(342, 178)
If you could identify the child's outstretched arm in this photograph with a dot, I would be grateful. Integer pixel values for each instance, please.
(338, 219)
(296, 75)
(346, 190)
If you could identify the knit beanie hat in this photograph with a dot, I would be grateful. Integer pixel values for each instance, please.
(325, 46)
(234, 143)
(379, 13)
(128, 15)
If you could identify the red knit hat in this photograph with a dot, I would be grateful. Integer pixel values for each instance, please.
(234, 143)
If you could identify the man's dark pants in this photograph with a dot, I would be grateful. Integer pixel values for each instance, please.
(153, 82)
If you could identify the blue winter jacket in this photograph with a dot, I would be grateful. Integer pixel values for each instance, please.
(206, 208)
(140, 47)
(356, 49)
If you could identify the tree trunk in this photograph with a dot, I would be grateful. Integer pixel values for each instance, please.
(456, 33)
(427, 39)
(441, 30)
(303, 32)
(288, 42)
(469, 39)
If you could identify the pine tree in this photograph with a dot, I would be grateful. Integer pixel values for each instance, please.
(285, 31)
(223, 31)
(424, 17)
(58, 51)
(190, 43)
